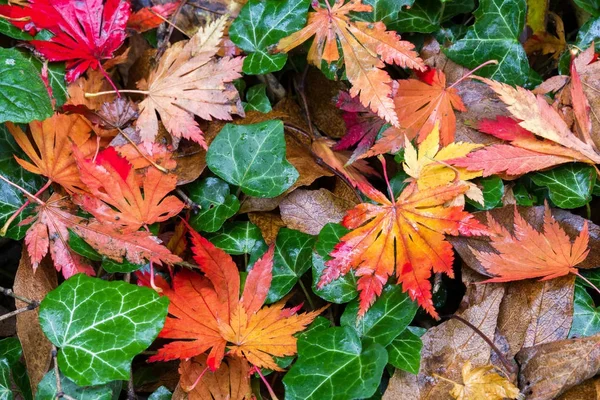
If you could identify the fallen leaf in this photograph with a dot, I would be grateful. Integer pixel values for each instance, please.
(589, 389)
(150, 17)
(309, 211)
(188, 81)
(365, 46)
(545, 43)
(231, 381)
(338, 161)
(269, 224)
(483, 383)
(322, 105)
(34, 286)
(549, 369)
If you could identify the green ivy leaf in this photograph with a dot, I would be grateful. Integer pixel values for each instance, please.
(253, 158)
(239, 237)
(5, 383)
(522, 195)
(56, 78)
(333, 364)
(23, 96)
(216, 203)
(162, 393)
(569, 186)
(590, 6)
(586, 316)
(257, 100)
(262, 24)
(341, 290)
(493, 190)
(290, 261)
(405, 351)
(588, 33)
(100, 326)
(11, 366)
(383, 10)
(386, 318)
(427, 16)
(11, 199)
(46, 389)
(495, 36)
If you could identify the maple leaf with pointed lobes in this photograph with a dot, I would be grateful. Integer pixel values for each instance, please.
(150, 17)
(52, 155)
(483, 383)
(84, 32)
(231, 381)
(188, 81)
(404, 236)
(206, 312)
(366, 47)
(531, 254)
(116, 197)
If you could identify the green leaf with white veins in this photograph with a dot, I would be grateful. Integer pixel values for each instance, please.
(427, 16)
(290, 261)
(569, 186)
(23, 96)
(405, 351)
(100, 326)
(333, 364)
(261, 24)
(216, 204)
(495, 36)
(239, 237)
(253, 158)
(257, 100)
(386, 318)
(385, 11)
(586, 316)
(47, 389)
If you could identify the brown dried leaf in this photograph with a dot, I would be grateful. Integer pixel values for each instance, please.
(257, 204)
(589, 389)
(309, 210)
(323, 111)
(269, 224)
(549, 369)
(231, 381)
(34, 286)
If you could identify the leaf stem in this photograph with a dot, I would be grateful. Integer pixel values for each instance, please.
(20, 210)
(144, 156)
(489, 62)
(307, 295)
(189, 389)
(269, 388)
(586, 280)
(18, 311)
(25, 192)
(88, 95)
(9, 292)
(59, 393)
(588, 210)
(169, 22)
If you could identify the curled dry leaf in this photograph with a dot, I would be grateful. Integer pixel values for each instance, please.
(309, 210)
(483, 383)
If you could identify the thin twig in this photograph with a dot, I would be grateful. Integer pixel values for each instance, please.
(168, 22)
(165, 42)
(107, 92)
(18, 311)
(310, 302)
(144, 156)
(130, 388)
(186, 199)
(59, 393)
(9, 292)
(186, 264)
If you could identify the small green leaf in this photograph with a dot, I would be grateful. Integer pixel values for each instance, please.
(216, 203)
(405, 351)
(586, 316)
(46, 389)
(257, 100)
(590, 6)
(588, 33)
(162, 393)
(290, 261)
(262, 24)
(493, 190)
(427, 16)
(386, 318)
(11, 367)
(495, 36)
(23, 96)
(124, 267)
(569, 186)
(522, 195)
(239, 237)
(341, 290)
(100, 326)
(333, 364)
(253, 158)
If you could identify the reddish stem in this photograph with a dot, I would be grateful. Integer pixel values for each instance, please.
(269, 388)
(586, 280)
(197, 380)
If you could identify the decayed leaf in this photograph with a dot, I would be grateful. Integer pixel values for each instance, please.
(52, 155)
(309, 210)
(483, 383)
(208, 312)
(34, 286)
(532, 254)
(545, 43)
(150, 17)
(231, 381)
(404, 236)
(365, 46)
(549, 369)
(589, 389)
(269, 224)
(116, 197)
(188, 81)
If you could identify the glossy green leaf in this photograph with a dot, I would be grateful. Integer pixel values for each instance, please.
(162, 393)
(405, 351)
(291, 260)
(124, 267)
(11, 199)
(253, 158)
(56, 78)
(427, 16)
(383, 10)
(586, 316)
(46, 389)
(8, 29)
(522, 195)
(590, 6)
(23, 96)
(588, 33)
(239, 237)
(257, 100)
(216, 203)
(333, 364)
(386, 318)
(262, 24)
(100, 326)
(12, 370)
(495, 36)
(341, 290)
(493, 190)
(5, 383)
(569, 186)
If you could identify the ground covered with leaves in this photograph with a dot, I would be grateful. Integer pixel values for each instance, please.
(351, 199)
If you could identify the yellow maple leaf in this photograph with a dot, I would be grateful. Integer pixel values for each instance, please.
(482, 384)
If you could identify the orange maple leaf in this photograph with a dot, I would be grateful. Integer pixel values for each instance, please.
(50, 231)
(532, 254)
(366, 46)
(208, 313)
(52, 155)
(117, 198)
(231, 381)
(405, 236)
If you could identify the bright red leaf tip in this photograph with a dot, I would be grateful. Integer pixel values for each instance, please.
(504, 128)
(86, 32)
(112, 158)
